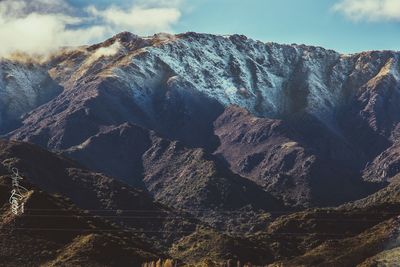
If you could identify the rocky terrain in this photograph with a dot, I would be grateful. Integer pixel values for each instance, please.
(226, 142)
(185, 178)
(75, 217)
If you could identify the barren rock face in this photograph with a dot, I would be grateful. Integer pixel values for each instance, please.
(385, 166)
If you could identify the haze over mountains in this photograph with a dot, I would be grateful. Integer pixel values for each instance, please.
(224, 132)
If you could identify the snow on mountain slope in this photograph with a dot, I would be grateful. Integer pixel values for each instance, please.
(271, 80)
(268, 79)
(169, 82)
(236, 70)
(23, 87)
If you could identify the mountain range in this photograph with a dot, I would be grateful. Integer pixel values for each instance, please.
(202, 149)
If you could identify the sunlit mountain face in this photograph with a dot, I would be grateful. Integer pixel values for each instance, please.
(148, 148)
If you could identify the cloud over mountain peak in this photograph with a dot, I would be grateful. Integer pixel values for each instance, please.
(49, 25)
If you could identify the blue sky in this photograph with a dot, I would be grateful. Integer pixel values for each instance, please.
(292, 21)
(313, 22)
(344, 25)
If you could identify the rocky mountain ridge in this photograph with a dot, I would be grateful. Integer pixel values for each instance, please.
(178, 85)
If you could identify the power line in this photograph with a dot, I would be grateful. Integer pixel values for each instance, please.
(213, 211)
(131, 231)
(183, 217)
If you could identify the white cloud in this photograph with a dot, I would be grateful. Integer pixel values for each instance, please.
(104, 52)
(160, 3)
(372, 10)
(41, 26)
(137, 19)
